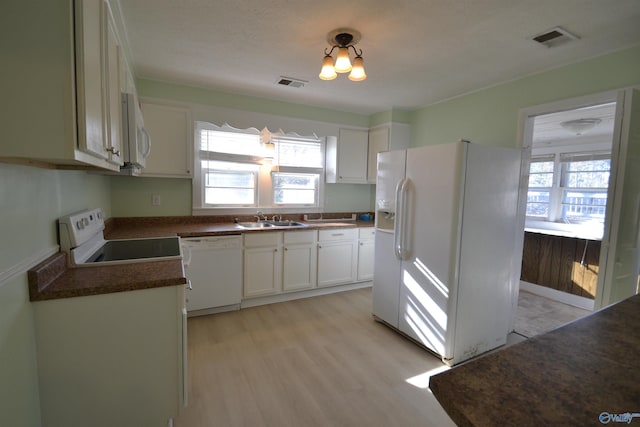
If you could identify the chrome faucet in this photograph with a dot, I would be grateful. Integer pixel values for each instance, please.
(260, 216)
(277, 218)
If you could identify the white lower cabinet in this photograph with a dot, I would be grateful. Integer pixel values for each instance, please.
(112, 360)
(262, 263)
(337, 256)
(277, 262)
(300, 256)
(366, 245)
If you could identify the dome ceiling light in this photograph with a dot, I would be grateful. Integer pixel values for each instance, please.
(343, 39)
(580, 126)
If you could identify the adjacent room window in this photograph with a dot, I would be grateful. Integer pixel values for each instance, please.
(540, 184)
(569, 188)
(236, 170)
(584, 183)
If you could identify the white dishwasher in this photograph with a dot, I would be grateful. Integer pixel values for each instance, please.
(213, 266)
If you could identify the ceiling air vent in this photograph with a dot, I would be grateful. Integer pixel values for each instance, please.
(291, 82)
(554, 37)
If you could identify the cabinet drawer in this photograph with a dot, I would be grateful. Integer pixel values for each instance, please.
(294, 237)
(337, 234)
(366, 233)
(252, 240)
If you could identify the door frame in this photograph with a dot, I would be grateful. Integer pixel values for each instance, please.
(524, 141)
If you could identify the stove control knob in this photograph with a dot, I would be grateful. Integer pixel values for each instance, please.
(85, 221)
(79, 225)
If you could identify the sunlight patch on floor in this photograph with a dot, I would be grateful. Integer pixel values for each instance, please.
(422, 380)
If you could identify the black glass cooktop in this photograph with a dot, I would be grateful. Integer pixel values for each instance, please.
(123, 250)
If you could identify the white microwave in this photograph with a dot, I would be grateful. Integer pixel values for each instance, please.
(136, 143)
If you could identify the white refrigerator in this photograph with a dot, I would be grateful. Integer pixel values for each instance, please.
(444, 245)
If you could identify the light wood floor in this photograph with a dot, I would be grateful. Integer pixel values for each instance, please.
(319, 361)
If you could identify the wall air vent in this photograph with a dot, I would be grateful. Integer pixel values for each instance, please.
(554, 37)
(291, 82)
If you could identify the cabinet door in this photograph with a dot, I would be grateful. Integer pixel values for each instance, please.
(336, 262)
(299, 267)
(378, 143)
(112, 70)
(90, 77)
(262, 271)
(365, 259)
(352, 156)
(170, 129)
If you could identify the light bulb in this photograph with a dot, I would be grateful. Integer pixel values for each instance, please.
(357, 72)
(343, 64)
(327, 72)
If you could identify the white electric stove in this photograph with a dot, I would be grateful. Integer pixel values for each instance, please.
(82, 238)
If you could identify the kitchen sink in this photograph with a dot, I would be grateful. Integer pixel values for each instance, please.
(255, 225)
(286, 224)
(271, 224)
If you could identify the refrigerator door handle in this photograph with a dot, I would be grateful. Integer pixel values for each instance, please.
(399, 232)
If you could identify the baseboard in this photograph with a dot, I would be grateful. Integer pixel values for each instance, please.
(563, 297)
(214, 310)
(26, 264)
(290, 296)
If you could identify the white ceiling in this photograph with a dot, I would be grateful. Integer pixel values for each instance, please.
(548, 129)
(416, 52)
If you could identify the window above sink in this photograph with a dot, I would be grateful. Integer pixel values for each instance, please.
(237, 171)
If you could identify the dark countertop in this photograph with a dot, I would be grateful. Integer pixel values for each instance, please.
(53, 279)
(568, 376)
(194, 226)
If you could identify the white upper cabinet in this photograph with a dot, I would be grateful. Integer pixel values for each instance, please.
(378, 143)
(352, 157)
(114, 116)
(170, 128)
(61, 75)
(91, 77)
(347, 157)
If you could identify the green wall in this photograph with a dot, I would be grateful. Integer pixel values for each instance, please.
(132, 196)
(490, 116)
(30, 201)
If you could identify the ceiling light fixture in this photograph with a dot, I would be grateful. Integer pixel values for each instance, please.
(343, 39)
(580, 126)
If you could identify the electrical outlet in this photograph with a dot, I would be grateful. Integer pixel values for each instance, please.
(155, 200)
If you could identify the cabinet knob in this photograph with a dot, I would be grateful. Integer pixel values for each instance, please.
(275, 250)
(286, 249)
(113, 151)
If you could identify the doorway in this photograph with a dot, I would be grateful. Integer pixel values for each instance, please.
(568, 186)
(570, 148)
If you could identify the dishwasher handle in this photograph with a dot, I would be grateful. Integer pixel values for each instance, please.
(186, 260)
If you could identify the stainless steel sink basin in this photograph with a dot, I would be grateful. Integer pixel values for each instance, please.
(255, 225)
(286, 224)
(271, 224)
